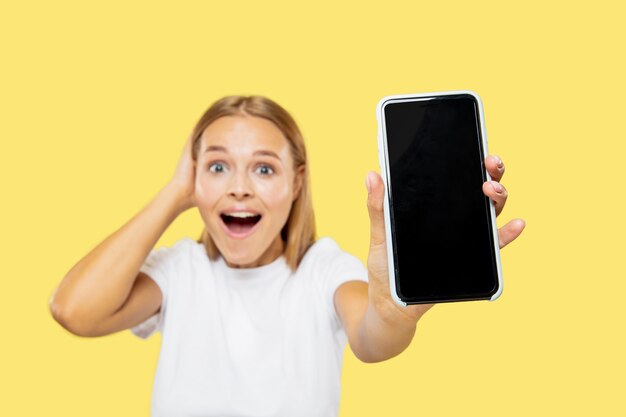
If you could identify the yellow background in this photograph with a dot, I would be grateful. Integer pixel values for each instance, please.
(97, 100)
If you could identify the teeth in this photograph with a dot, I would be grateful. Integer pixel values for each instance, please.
(241, 214)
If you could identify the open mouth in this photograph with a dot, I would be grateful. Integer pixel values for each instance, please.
(240, 224)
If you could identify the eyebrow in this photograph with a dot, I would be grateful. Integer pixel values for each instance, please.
(215, 148)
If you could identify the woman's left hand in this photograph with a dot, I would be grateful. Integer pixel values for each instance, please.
(496, 191)
(379, 292)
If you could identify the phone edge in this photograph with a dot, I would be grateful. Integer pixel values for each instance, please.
(494, 226)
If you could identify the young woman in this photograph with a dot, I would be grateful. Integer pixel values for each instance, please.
(255, 315)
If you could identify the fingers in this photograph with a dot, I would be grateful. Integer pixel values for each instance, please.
(510, 231)
(376, 193)
(495, 167)
(496, 192)
(189, 145)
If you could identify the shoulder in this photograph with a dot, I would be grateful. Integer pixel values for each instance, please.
(327, 267)
(186, 244)
(181, 248)
(325, 245)
(326, 255)
(322, 248)
(182, 245)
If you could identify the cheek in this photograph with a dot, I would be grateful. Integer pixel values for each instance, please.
(207, 192)
(276, 194)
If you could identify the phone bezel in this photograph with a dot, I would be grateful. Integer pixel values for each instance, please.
(384, 166)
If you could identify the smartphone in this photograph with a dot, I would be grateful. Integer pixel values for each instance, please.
(442, 238)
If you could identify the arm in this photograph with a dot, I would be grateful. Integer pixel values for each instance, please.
(101, 282)
(376, 331)
(377, 328)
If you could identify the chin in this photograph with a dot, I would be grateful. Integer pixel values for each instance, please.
(240, 261)
(240, 258)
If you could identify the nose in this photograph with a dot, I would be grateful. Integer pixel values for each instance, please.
(240, 186)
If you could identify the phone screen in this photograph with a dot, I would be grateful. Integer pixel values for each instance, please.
(443, 242)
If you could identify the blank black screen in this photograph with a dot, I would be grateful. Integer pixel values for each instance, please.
(441, 223)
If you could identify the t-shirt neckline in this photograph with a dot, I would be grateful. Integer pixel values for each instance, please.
(267, 272)
(261, 273)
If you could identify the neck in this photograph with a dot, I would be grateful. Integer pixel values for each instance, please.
(276, 249)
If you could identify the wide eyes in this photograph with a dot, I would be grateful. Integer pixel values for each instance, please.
(264, 170)
(261, 169)
(217, 167)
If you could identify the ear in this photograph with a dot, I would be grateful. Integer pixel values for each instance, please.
(298, 180)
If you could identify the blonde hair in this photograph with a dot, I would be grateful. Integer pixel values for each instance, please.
(299, 230)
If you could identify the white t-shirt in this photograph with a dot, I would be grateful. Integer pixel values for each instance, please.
(248, 342)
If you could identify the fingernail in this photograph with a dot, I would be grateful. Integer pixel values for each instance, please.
(367, 182)
(497, 187)
(499, 161)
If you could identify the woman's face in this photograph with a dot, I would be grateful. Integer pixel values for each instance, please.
(245, 187)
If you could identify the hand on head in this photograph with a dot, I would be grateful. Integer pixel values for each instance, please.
(183, 180)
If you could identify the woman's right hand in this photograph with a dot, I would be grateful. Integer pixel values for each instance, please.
(183, 181)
